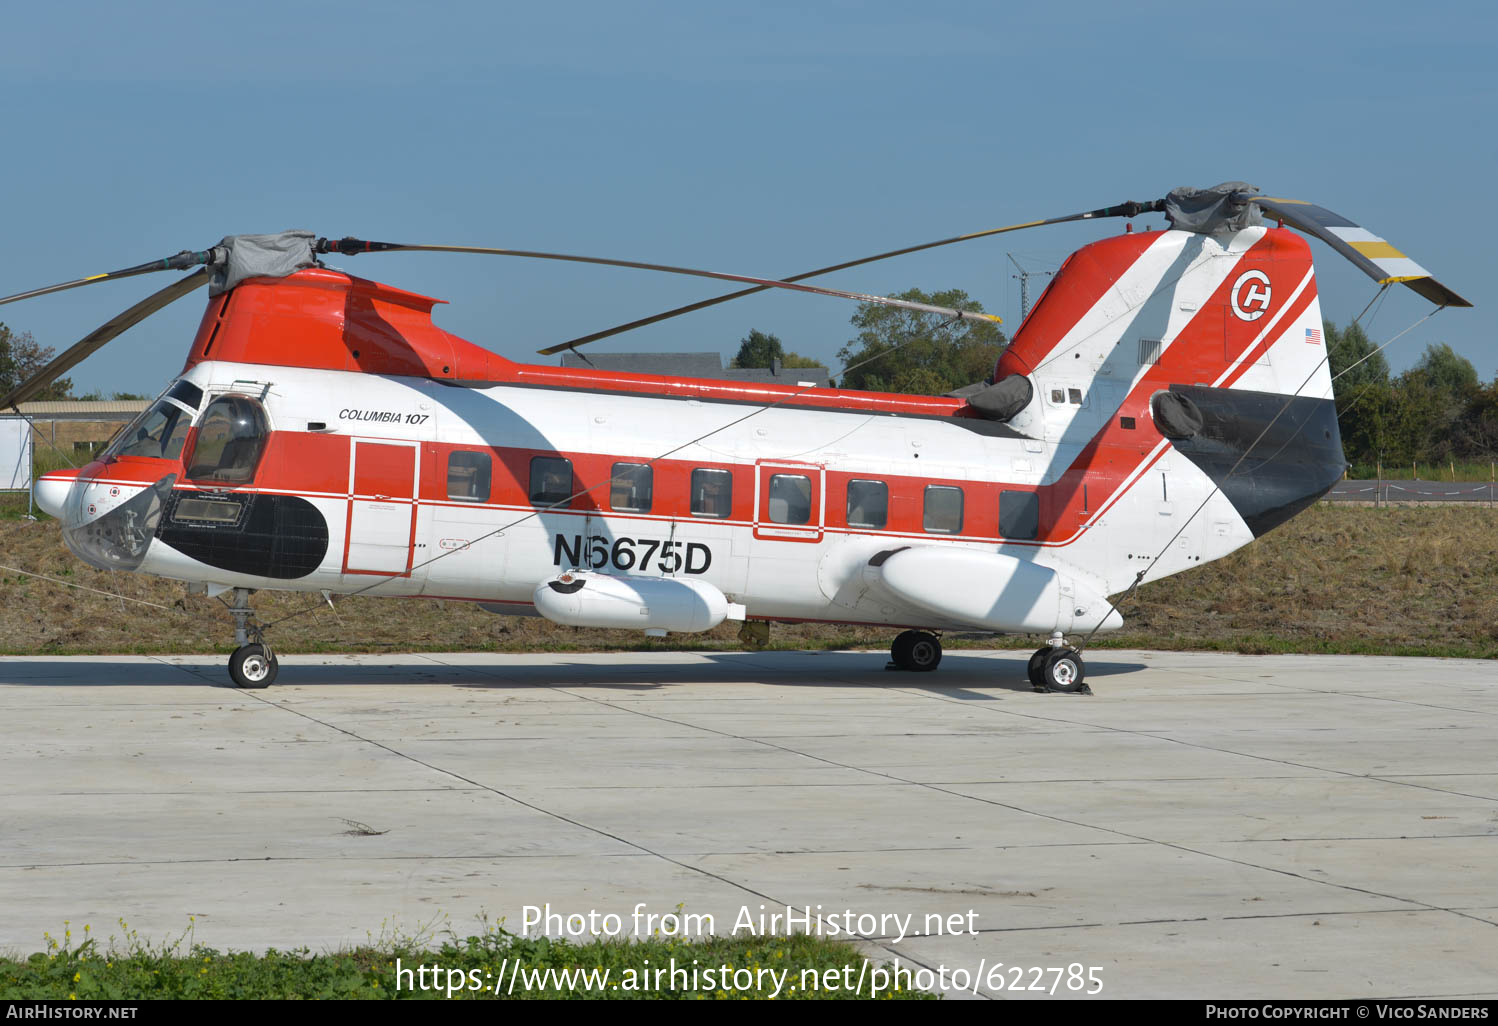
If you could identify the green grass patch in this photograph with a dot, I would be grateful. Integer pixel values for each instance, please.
(479, 966)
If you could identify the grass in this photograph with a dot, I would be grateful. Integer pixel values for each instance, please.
(1425, 471)
(480, 965)
(1414, 580)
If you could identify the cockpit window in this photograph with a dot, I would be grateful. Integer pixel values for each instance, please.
(186, 393)
(231, 438)
(160, 432)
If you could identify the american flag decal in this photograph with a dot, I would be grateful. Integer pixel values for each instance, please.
(1313, 336)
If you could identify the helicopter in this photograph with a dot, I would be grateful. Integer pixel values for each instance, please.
(1167, 400)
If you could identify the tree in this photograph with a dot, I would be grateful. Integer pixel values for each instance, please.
(1344, 349)
(760, 350)
(21, 357)
(1446, 372)
(1475, 433)
(908, 351)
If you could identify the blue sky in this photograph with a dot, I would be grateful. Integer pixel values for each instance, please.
(761, 139)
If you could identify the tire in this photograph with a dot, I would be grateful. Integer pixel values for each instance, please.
(1037, 667)
(916, 651)
(253, 667)
(1064, 670)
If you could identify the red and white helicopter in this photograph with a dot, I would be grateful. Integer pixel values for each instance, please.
(1166, 401)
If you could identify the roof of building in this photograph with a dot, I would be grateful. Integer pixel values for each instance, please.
(84, 407)
(695, 365)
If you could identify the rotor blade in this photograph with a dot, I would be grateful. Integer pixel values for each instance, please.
(350, 246)
(1130, 209)
(102, 334)
(1372, 255)
(177, 262)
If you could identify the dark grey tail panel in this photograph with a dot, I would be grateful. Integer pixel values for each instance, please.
(1289, 447)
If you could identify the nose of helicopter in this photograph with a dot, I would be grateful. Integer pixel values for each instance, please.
(107, 524)
(51, 492)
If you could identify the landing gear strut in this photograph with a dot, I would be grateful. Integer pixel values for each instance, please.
(253, 665)
(918, 651)
(1058, 667)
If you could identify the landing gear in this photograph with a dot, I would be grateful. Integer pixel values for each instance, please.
(253, 665)
(917, 651)
(1057, 667)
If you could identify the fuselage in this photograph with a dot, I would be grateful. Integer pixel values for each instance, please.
(391, 476)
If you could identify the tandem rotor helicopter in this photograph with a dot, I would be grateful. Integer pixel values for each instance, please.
(1166, 401)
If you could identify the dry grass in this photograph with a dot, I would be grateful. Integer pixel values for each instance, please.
(1417, 580)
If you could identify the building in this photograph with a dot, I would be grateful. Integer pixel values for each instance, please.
(698, 365)
(78, 427)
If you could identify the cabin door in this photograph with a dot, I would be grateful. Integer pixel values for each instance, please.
(789, 501)
(381, 508)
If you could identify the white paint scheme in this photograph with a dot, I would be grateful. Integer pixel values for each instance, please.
(496, 553)
(511, 548)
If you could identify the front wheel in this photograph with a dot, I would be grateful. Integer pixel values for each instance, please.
(253, 667)
(918, 651)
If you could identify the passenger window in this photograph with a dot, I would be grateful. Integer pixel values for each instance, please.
(230, 441)
(1019, 515)
(1074, 396)
(630, 487)
(943, 509)
(551, 481)
(868, 504)
(790, 499)
(712, 493)
(468, 476)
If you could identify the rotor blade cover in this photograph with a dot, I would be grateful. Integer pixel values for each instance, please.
(238, 257)
(1227, 207)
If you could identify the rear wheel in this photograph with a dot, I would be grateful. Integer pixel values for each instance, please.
(253, 667)
(917, 651)
(1064, 670)
(1037, 667)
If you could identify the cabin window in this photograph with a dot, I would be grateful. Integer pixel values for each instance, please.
(468, 475)
(868, 504)
(790, 499)
(1074, 396)
(1019, 515)
(712, 493)
(943, 509)
(231, 440)
(551, 481)
(630, 487)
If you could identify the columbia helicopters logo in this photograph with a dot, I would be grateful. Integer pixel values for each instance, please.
(1251, 294)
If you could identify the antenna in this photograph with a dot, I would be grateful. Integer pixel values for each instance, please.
(1024, 277)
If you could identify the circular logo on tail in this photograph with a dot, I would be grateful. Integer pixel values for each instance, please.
(1251, 295)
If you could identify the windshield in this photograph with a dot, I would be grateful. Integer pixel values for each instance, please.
(160, 433)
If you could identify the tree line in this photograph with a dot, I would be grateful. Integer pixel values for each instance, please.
(1435, 412)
